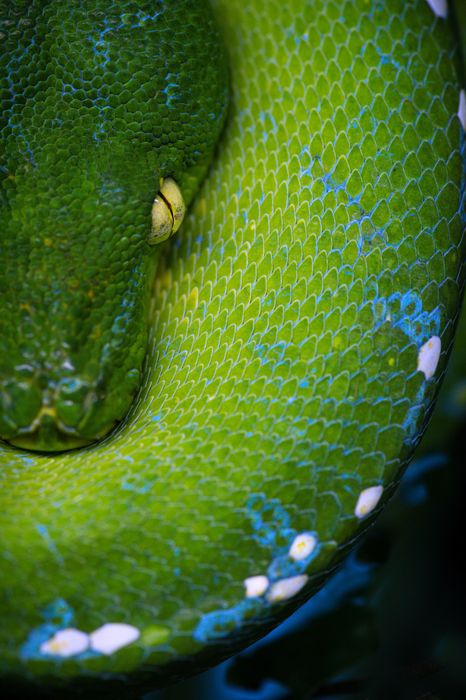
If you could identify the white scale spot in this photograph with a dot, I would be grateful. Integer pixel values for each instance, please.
(440, 7)
(462, 109)
(368, 500)
(113, 636)
(286, 588)
(256, 586)
(65, 643)
(303, 545)
(428, 357)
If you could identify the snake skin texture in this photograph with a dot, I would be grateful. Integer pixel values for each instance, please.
(99, 102)
(301, 323)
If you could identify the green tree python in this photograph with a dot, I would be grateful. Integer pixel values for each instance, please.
(187, 455)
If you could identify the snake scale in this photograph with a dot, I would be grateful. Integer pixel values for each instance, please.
(300, 320)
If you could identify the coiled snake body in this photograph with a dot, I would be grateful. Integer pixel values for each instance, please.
(299, 324)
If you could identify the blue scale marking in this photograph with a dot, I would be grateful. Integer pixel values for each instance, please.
(271, 525)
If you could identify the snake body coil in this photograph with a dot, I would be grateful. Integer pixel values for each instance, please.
(300, 322)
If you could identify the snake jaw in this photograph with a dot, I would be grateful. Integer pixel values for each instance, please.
(168, 211)
(47, 434)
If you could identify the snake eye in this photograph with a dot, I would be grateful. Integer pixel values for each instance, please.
(168, 211)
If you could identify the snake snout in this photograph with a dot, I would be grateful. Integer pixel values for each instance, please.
(39, 414)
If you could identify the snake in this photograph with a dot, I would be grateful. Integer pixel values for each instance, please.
(232, 246)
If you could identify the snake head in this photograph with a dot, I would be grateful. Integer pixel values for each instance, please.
(101, 136)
